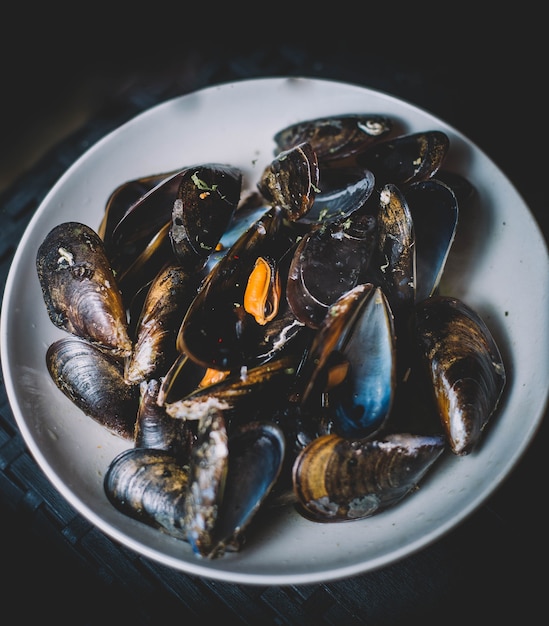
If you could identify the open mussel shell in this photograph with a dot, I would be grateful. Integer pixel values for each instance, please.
(196, 203)
(149, 486)
(201, 206)
(341, 196)
(464, 365)
(138, 275)
(434, 209)
(335, 137)
(240, 316)
(142, 221)
(406, 158)
(209, 463)
(338, 479)
(206, 200)
(256, 455)
(459, 184)
(80, 289)
(362, 401)
(328, 262)
(290, 181)
(123, 197)
(250, 209)
(94, 380)
(253, 391)
(352, 360)
(184, 377)
(242, 477)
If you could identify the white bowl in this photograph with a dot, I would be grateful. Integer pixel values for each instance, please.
(498, 265)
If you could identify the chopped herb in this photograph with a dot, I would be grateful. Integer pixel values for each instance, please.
(201, 184)
(323, 213)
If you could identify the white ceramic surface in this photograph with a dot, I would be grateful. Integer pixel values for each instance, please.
(498, 265)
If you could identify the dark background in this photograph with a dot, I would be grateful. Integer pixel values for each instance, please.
(68, 79)
(482, 74)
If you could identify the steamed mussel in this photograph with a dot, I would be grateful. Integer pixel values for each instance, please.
(80, 289)
(342, 479)
(277, 343)
(93, 379)
(465, 366)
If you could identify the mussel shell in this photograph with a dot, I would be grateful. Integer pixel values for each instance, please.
(290, 181)
(356, 336)
(362, 402)
(138, 275)
(252, 391)
(80, 289)
(155, 429)
(337, 479)
(195, 204)
(335, 137)
(464, 365)
(340, 198)
(165, 305)
(217, 331)
(123, 197)
(149, 486)
(142, 222)
(94, 380)
(206, 199)
(393, 265)
(328, 262)
(256, 455)
(209, 464)
(406, 158)
(434, 209)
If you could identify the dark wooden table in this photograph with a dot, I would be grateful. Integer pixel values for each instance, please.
(488, 568)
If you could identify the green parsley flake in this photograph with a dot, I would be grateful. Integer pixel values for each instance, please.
(201, 184)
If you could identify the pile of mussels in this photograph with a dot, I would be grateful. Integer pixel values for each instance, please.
(282, 344)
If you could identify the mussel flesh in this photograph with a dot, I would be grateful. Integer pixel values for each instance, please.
(220, 330)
